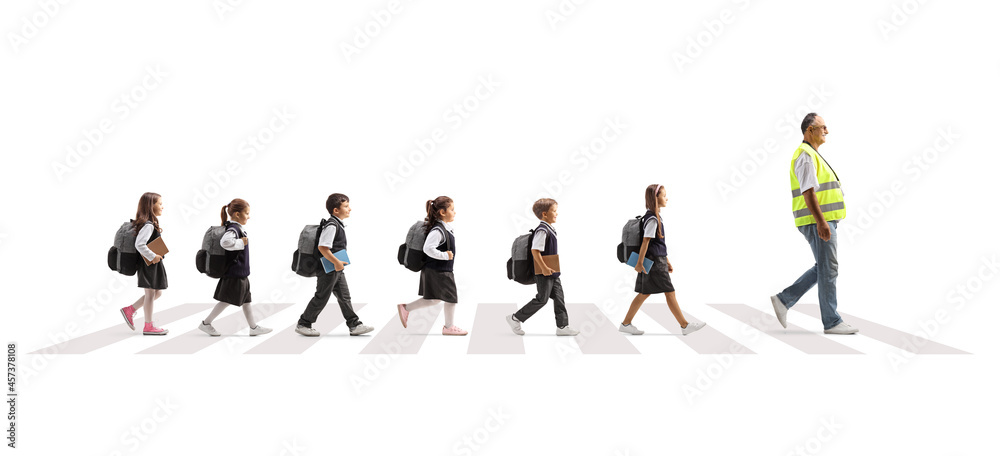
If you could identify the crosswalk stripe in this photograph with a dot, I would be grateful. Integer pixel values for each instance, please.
(598, 335)
(393, 338)
(196, 340)
(490, 333)
(119, 332)
(706, 341)
(909, 342)
(289, 342)
(796, 336)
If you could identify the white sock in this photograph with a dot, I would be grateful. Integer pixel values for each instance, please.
(420, 304)
(247, 312)
(449, 314)
(215, 312)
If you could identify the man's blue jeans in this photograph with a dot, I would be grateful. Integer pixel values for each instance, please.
(823, 272)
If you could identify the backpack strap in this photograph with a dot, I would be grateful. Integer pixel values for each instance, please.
(319, 230)
(440, 227)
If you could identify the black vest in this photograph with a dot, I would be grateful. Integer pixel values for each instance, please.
(551, 244)
(237, 261)
(340, 237)
(443, 265)
(657, 247)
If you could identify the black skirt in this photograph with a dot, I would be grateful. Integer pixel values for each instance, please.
(153, 276)
(436, 284)
(657, 280)
(233, 290)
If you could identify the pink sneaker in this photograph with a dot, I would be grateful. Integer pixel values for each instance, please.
(128, 312)
(453, 331)
(151, 330)
(403, 313)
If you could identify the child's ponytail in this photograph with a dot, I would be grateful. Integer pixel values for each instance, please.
(433, 215)
(234, 206)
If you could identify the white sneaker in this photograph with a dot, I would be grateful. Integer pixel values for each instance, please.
(259, 330)
(692, 327)
(209, 329)
(514, 325)
(780, 310)
(307, 331)
(631, 329)
(842, 328)
(566, 331)
(361, 329)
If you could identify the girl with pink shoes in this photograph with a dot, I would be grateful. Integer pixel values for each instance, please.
(437, 279)
(152, 277)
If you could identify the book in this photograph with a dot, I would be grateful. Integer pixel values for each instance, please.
(340, 255)
(634, 258)
(551, 261)
(158, 247)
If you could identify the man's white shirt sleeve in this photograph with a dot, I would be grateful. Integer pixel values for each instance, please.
(805, 172)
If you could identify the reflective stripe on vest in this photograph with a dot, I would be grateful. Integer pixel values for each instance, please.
(829, 193)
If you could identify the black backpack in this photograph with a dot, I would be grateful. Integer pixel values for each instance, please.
(211, 259)
(306, 258)
(521, 265)
(122, 256)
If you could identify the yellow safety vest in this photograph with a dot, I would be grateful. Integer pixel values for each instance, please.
(829, 194)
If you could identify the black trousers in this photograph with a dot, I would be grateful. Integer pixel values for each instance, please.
(326, 284)
(547, 288)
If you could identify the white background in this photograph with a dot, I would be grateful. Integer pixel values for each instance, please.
(887, 91)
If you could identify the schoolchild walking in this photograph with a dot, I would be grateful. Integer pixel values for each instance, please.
(233, 288)
(657, 278)
(543, 244)
(437, 278)
(152, 278)
(332, 239)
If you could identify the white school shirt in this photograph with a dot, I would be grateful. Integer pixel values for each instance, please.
(538, 241)
(230, 241)
(329, 231)
(434, 239)
(649, 229)
(140, 242)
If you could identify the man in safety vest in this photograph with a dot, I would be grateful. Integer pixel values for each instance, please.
(817, 206)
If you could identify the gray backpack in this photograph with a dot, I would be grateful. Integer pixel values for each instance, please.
(521, 265)
(411, 253)
(306, 258)
(122, 256)
(211, 259)
(631, 238)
